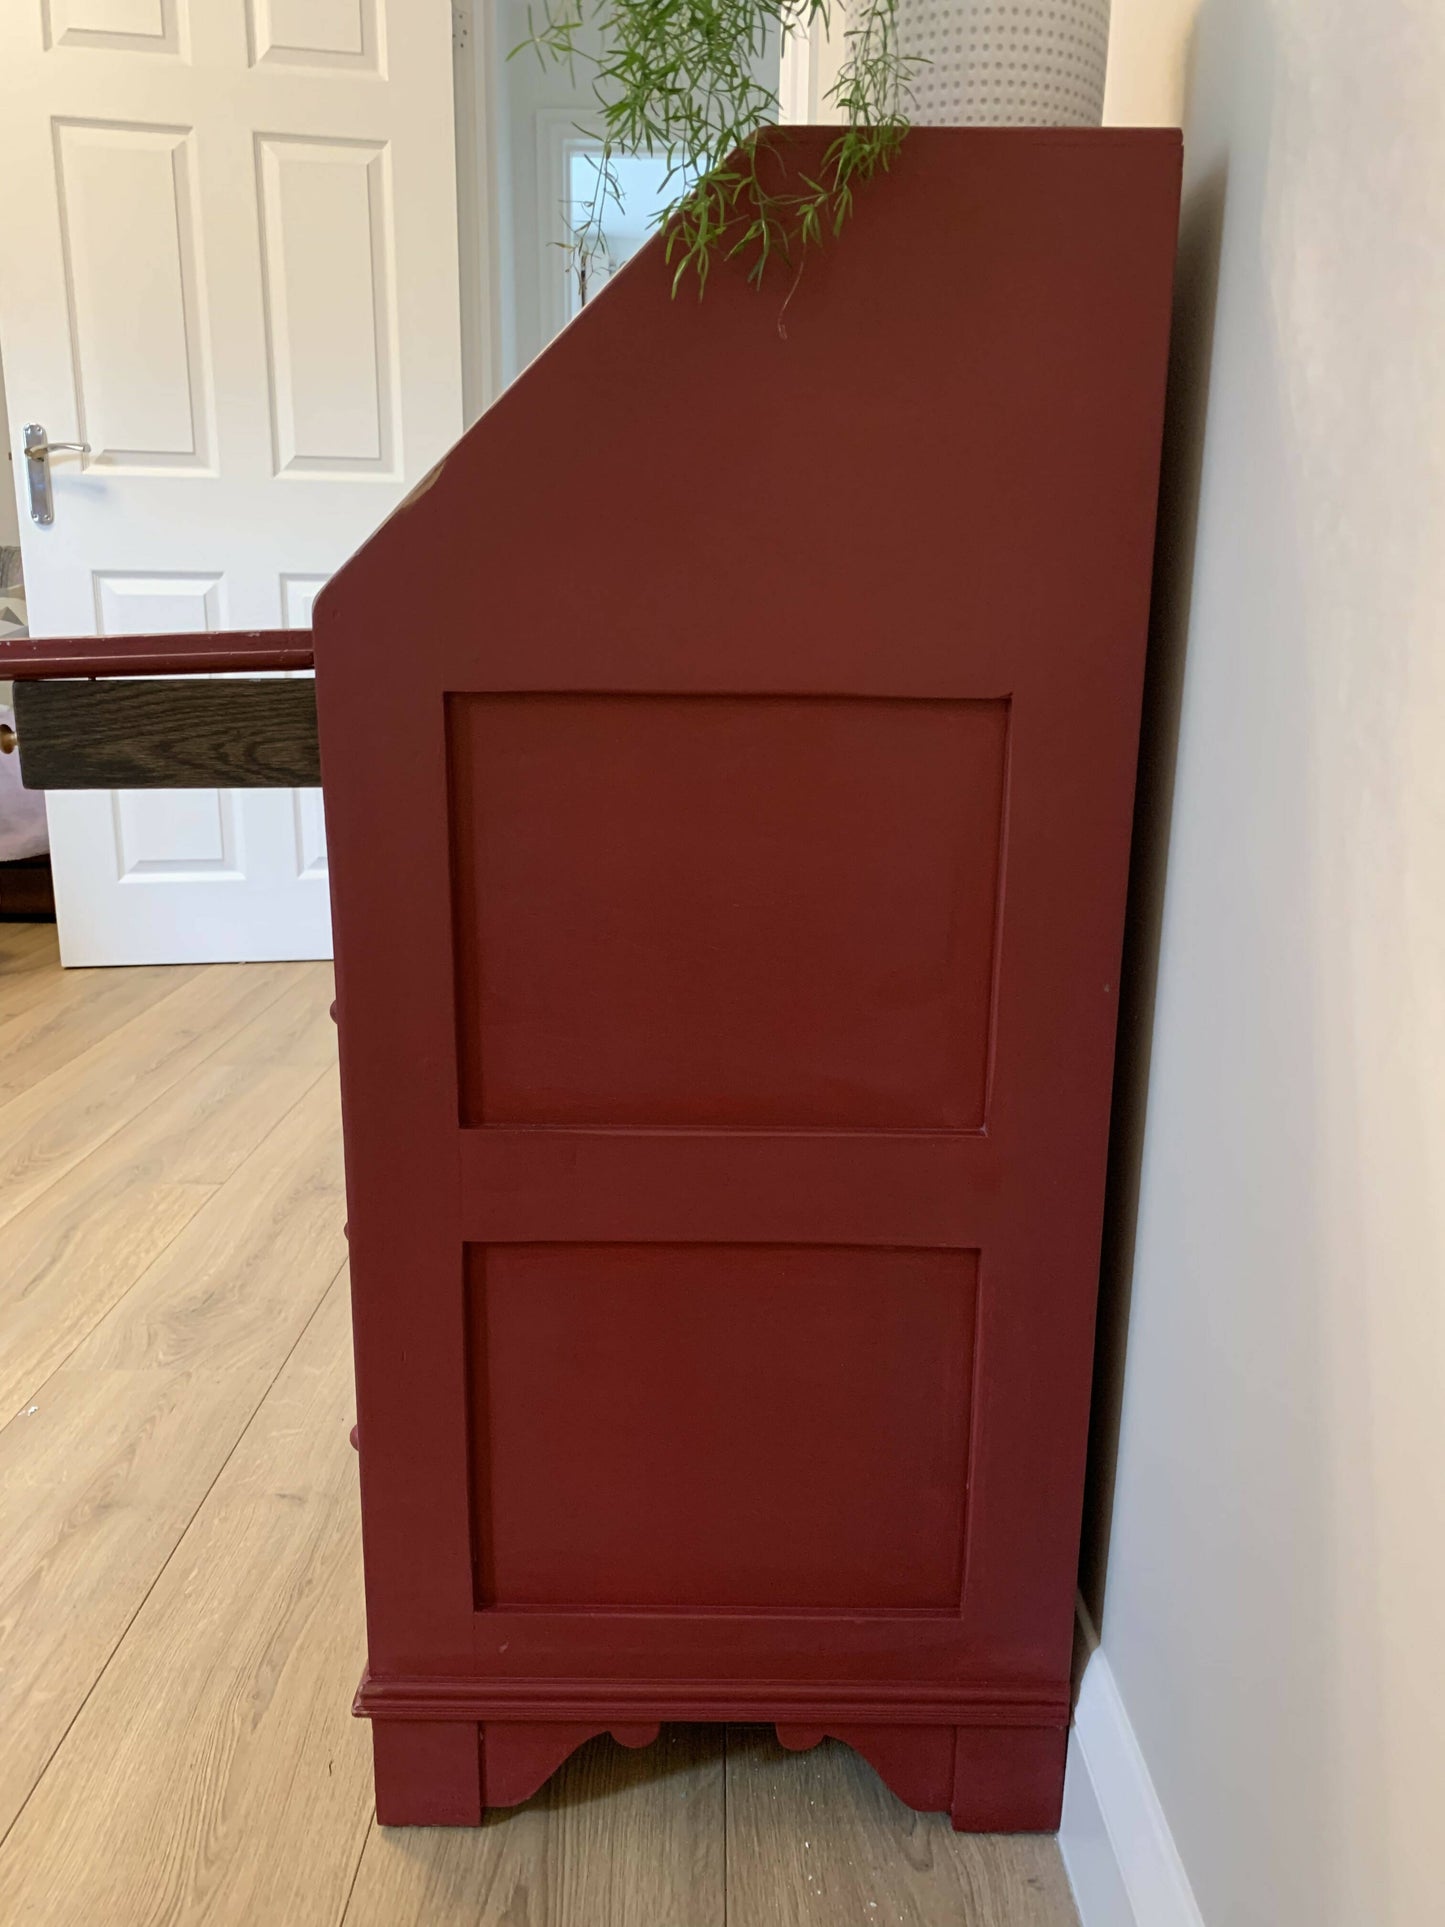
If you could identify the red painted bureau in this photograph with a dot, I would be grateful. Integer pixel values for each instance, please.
(752, 727)
(744, 716)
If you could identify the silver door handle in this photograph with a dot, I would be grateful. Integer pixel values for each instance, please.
(38, 450)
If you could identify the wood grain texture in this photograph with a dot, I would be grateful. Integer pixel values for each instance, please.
(105, 1466)
(616, 1836)
(49, 1128)
(29, 965)
(24, 949)
(85, 1008)
(215, 1773)
(816, 1838)
(181, 734)
(79, 1247)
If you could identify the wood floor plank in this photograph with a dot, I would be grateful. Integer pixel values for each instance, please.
(29, 956)
(215, 1773)
(47, 1130)
(82, 1008)
(70, 1256)
(102, 1471)
(816, 1838)
(296, 1029)
(80, 1245)
(615, 1839)
(21, 941)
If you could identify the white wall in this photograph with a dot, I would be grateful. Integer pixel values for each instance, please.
(1272, 1586)
(9, 511)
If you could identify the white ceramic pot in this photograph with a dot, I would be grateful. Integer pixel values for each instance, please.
(1009, 63)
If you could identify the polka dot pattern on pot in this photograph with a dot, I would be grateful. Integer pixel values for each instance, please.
(1006, 63)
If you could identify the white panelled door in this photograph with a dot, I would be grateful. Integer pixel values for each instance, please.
(230, 267)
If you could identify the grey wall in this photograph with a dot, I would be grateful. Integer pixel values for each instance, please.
(1265, 1544)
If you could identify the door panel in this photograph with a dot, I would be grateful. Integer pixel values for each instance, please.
(141, 605)
(341, 35)
(298, 592)
(329, 316)
(132, 249)
(240, 288)
(115, 26)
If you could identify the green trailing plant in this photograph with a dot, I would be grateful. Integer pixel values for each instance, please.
(680, 80)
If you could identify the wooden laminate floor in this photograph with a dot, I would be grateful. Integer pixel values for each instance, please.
(180, 1584)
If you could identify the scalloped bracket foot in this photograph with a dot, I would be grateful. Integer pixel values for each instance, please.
(446, 1773)
(988, 1779)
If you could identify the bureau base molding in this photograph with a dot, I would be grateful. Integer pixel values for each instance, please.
(908, 1703)
(447, 1750)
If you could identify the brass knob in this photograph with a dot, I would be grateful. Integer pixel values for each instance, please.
(8, 739)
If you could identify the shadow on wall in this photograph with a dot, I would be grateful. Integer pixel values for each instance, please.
(1191, 349)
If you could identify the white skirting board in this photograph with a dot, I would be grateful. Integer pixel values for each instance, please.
(1122, 1862)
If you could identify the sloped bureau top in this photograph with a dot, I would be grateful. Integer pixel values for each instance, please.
(869, 450)
(744, 716)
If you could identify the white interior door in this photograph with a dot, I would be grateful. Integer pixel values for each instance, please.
(230, 267)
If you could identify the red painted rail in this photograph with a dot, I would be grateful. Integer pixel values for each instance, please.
(27, 658)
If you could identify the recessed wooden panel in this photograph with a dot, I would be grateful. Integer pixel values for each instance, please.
(133, 604)
(128, 225)
(340, 34)
(781, 1427)
(309, 819)
(171, 835)
(330, 331)
(176, 835)
(117, 26)
(298, 592)
(683, 911)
